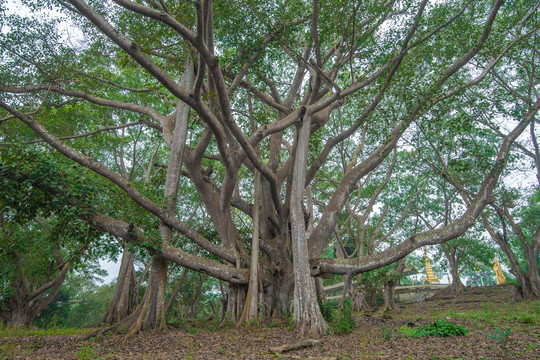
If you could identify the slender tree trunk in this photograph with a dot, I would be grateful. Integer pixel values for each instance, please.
(532, 272)
(152, 315)
(176, 290)
(251, 307)
(515, 269)
(531, 253)
(319, 288)
(347, 287)
(192, 313)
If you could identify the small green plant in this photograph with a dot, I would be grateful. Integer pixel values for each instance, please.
(272, 324)
(502, 337)
(290, 319)
(87, 352)
(228, 323)
(343, 321)
(6, 351)
(387, 333)
(528, 319)
(407, 331)
(122, 328)
(439, 328)
(36, 345)
(327, 310)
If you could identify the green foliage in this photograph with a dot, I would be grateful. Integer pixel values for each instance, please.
(501, 337)
(327, 310)
(439, 328)
(407, 331)
(81, 302)
(387, 332)
(87, 352)
(339, 321)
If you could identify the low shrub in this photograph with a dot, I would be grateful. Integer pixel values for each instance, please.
(439, 328)
(339, 321)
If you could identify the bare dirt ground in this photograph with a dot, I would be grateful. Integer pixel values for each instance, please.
(480, 310)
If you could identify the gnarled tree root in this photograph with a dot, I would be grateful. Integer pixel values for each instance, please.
(290, 347)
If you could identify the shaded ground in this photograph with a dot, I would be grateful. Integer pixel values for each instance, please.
(480, 310)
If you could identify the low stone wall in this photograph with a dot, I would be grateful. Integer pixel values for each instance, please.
(417, 293)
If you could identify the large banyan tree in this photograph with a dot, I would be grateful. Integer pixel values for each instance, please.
(240, 134)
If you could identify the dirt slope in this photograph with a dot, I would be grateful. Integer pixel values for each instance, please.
(480, 310)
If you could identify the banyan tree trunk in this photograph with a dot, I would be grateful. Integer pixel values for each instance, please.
(307, 313)
(123, 302)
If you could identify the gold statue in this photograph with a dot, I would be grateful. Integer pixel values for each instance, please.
(431, 278)
(498, 271)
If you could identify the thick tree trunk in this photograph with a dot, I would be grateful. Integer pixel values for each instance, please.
(285, 290)
(234, 303)
(390, 285)
(122, 303)
(155, 305)
(150, 314)
(453, 259)
(388, 296)
(359, 300)
(26, 305)
(20, 314)
(307, 314)
(457, 285)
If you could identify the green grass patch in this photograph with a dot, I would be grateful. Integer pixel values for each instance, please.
(42, 332)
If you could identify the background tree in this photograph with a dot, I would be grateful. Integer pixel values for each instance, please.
(40, 240)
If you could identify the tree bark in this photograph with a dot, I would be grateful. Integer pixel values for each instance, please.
(192, 313)
(453, 260)
(307, 314)
(251, 307)
(154, 307)
(123, 302)
(176, 290)
(390, 285)
(27, 304)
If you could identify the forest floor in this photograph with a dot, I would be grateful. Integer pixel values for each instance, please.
(481, 310)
